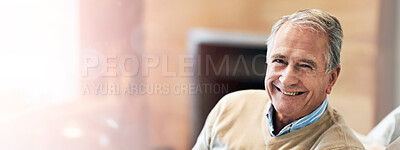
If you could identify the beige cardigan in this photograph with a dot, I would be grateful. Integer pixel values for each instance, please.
(238, 122)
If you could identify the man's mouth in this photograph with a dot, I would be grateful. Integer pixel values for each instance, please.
(289, 93)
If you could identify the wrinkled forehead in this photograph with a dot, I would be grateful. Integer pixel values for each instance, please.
(296, 37)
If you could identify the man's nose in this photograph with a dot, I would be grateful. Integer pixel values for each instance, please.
(289, 76)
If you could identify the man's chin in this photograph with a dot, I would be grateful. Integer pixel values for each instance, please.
(288, 114)
(286, 109)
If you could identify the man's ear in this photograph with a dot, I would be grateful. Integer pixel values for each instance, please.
(333, 75)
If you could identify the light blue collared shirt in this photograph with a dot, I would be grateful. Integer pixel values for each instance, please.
(302, 122)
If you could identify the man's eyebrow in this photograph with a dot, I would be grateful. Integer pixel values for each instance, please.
(278, 56)
(312, 63)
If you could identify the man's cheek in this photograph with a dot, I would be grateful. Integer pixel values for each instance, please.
(272, 74)
(270, 71)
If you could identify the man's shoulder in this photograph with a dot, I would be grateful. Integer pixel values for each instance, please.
(339, 134)
(245, 98)
(235, 123)
(249, 92)
(339, 137)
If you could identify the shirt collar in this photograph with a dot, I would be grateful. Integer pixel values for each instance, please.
(302, 122)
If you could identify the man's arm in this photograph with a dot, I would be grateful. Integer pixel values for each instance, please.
(203, 141)
(206, 137)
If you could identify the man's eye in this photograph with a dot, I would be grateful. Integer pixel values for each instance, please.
(305, 66)
(278, 61)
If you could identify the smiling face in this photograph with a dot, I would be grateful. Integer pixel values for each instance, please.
(296, 80)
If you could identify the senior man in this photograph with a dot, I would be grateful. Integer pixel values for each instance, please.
(303, 63)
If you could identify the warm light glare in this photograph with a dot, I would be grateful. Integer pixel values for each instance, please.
(72, 132)
(112, 123)
(39, 51)
(39, 66)
(104, 140)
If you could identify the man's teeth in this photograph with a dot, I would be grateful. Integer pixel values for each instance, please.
(290, 93)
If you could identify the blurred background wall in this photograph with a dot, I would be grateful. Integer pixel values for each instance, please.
(55, 53)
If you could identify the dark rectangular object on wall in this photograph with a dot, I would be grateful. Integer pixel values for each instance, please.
(222, 67)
